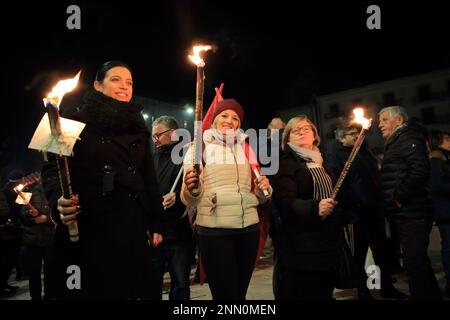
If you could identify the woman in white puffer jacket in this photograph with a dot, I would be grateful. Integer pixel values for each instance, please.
(227, 218)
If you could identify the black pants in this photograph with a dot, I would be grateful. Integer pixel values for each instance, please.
(8, 259)
(371, 232)
(34, 257)
(294, 284)
(414, 238)
(229, 261)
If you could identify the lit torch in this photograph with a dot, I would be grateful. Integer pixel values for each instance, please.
(18, 189)
(366, 123)
(197, 145)
(52, 103)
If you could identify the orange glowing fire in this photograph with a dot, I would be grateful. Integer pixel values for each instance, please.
(61, 88)
(196, 57)
(359, 118)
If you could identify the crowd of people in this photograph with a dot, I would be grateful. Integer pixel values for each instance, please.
(141, 214)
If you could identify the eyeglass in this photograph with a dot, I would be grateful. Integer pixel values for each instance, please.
(157, 136)
(354, 134)
(306, 129)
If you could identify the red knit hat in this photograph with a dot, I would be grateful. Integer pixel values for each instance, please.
(229, 104)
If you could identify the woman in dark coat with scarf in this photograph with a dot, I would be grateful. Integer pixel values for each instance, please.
(311, 231)
(117, 203)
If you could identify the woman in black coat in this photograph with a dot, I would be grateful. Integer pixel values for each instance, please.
(117, 201)
(311, 231)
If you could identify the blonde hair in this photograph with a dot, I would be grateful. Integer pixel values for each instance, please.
(292, 123)
(214, 124)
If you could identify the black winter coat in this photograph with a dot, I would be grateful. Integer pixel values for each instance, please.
(405, 172)
(37, 234)
(112, 172)
(166, 173)
(440, 184)
(305, 241)
(360, 193)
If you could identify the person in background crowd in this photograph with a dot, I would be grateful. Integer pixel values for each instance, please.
(360, 196)
(404, 178)
(177, 248)
(38, 240)
(439, 143)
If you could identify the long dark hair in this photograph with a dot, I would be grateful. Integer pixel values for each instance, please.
(101, 73)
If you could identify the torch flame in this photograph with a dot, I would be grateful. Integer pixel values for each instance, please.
(196, 57)
(359, 118)
(20, 187)
(61, 88)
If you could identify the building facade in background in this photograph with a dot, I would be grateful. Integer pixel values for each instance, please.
(426, 97)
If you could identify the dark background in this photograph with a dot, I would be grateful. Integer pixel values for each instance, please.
(270, 55)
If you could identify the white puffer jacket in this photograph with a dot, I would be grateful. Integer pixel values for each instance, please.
(226, 181)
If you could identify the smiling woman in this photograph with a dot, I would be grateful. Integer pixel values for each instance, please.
(114, 79)
(117, 202)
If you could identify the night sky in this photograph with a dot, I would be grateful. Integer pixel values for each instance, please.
(270, 55)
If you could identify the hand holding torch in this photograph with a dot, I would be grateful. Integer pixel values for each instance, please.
(52, 103)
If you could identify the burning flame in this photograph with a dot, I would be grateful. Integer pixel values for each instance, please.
(359, 118)
(196, 57)
(19, 187)
(61, 88)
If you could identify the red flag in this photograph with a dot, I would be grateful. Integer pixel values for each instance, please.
(208, 118)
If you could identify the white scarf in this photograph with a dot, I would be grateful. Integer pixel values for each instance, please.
(214, 135)
(307, 154)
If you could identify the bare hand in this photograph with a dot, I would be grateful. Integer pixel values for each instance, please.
(68, 209)
(191, 178)
(262, 183)
(157, 239)
(169, 200)
(326, 207)
(41, 219)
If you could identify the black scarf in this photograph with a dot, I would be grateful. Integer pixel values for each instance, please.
(110, 114)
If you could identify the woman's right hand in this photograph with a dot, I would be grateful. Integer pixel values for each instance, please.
(191, 178)
(326, 207)
(68, 209)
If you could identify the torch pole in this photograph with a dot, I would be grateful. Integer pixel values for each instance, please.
(62, 165)
(197, 145)
(349, 162)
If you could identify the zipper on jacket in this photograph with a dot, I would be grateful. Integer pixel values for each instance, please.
(239, 188)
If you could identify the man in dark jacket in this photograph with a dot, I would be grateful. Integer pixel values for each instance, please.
(38, 239)
(404, 177)
(360, 196)
(177, 248)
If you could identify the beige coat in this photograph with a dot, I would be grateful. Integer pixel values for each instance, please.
(226, 180)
